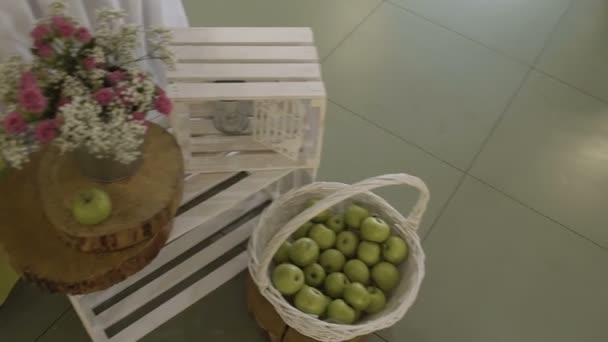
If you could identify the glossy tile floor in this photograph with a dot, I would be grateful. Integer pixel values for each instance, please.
(501, 106)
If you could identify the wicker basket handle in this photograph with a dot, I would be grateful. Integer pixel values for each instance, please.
(337, 197)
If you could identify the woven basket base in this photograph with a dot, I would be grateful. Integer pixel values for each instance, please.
(269, 320)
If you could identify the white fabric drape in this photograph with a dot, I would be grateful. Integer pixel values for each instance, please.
(17, 18)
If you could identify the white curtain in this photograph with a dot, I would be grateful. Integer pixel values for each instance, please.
(17, 17)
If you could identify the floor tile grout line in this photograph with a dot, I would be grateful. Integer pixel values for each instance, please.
(551, 35)
(351, 32)
(412, 144)
(53, 323)
(380, 337)
(480, 43)
(520, 202)
(571, 86)
(445, 206)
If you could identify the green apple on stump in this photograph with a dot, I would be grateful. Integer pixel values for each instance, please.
(340, 312)
(336, 223)
(368, 252)
(304, 252)
(332, 260)
(347, 243)
(302, 231)
(356, 271)
(314, 275)
(354, 215)
(323, 236)
(311, 301)
(394, 250)
(386, 276)
(374, 229)
(282, 255)
(334, 284)
(377, 300)
(92, 206)
(322, 216)
(356, 295)
(288, 278)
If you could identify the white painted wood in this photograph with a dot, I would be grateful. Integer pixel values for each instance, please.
(93, 328)
(245, 54)
(204, 126)
(176, 275)
(191, 72)
(197, 92)
(242, 36)
(183, 300)
(199, 183)
(253, 161)
(225, 143)
(256, 182)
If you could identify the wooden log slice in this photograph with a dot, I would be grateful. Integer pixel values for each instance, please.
(141, 205)
(35, 248)
(270, 321)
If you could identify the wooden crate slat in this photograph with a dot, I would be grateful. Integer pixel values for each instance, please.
(223, 143)
(205, 126)
(246, 54)
(198, 215)
(176, 275)
(190, 72)
(196, 184)
(183, 300)
(197, 92)
(262, 161)
(207, 228)
(242, 35)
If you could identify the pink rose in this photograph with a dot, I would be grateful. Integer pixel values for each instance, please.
(28, 80)
(139, 116)
(89, 63)
(116, 76)
(46, 131)
(45, 50)
(58, 122)
(63, 100)
(14, 123)
(32, 100)
(83, 35)
(63, 26)
(104, 96)
(40, 32)
(163, 104)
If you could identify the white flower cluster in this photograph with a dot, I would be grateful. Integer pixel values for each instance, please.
(10, 71)
(15, 150)
(110, 134)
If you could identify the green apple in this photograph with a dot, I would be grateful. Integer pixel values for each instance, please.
(302, 231)
(358, 314)
(311, 301)
(354, 215)
(374, 229)
(356, 295)
(368, 252)
(347, 243)
(332, 260)
(322, 216)
(304, 252)
(334, 284)
(282, 255)
(323, 236)
(386, 276)
(92, 206)
(315, 275)
(394, 250)
(340, 312)
(336, 223)
(377, 300)
(356, 271)
(288, 278)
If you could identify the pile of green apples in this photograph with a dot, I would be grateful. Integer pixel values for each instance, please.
(340, 266)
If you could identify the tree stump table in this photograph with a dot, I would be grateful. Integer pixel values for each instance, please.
(37, 248)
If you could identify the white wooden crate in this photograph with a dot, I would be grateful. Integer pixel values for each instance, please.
(206, 248)
(269, 76)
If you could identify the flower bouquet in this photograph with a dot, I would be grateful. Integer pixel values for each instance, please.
(82, 91)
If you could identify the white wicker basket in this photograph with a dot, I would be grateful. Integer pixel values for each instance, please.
(288, 213)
